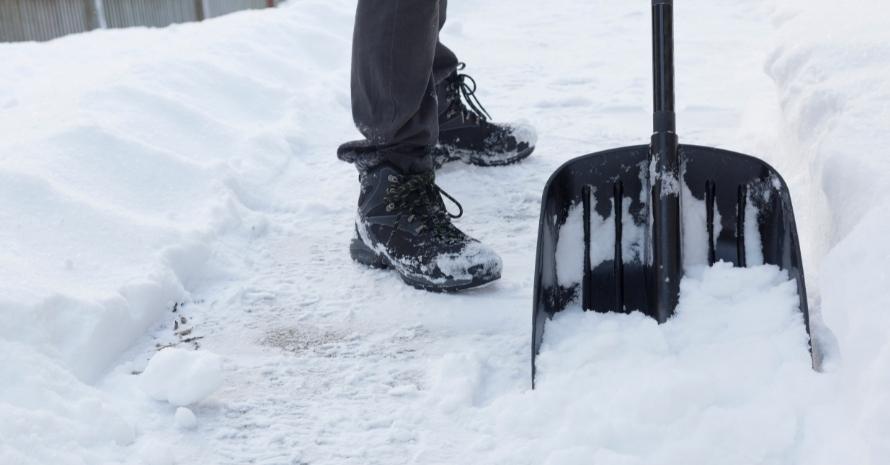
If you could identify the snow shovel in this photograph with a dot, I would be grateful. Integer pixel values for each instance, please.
(612, 227)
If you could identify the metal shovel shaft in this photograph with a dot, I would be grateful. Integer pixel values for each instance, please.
(666, 256)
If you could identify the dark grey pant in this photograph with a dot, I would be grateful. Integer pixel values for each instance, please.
(397, 61)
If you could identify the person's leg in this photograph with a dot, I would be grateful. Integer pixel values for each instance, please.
(393, 93)
(402, 222)
(465, 132)
(445, 62)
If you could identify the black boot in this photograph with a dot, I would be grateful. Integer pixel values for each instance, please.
(465, 133)
(403, 224)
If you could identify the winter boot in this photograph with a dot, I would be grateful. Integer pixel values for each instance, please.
(403, 224)
(466, 134)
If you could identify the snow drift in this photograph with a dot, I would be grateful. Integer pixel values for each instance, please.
(831, 67)
(126, 155)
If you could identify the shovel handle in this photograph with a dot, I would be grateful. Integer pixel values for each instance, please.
(664, 158)
(664, 119)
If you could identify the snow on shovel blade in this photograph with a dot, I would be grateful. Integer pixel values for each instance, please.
(595, 241)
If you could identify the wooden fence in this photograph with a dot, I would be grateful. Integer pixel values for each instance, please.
(27, 20)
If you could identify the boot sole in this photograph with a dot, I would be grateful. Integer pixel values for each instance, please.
(515, 158)
(363, 254)
(472, 158)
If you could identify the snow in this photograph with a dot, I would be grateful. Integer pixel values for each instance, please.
(698, 389)
(185, 418)
(182, 377)
(695, 229)
(753, 242)
(45, 409)
(455, 265)
(570, 240)
(833, 94)
(525, 132)
(570, 245)
(178, 188)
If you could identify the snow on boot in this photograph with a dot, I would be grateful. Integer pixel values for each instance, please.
(403, 224)
(466, 134)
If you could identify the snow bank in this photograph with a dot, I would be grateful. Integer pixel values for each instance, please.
(128, 158)
(44, 406)
(831, 66)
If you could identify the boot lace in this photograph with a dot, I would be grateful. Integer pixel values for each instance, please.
(463, 85)
(417, 199)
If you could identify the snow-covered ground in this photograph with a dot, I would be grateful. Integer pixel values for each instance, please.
(178, 187)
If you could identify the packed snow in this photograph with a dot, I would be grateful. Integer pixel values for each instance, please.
(185, 418)
(169, 194)
(182, 377)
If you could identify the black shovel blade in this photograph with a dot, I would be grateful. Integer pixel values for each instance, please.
(594, 241)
